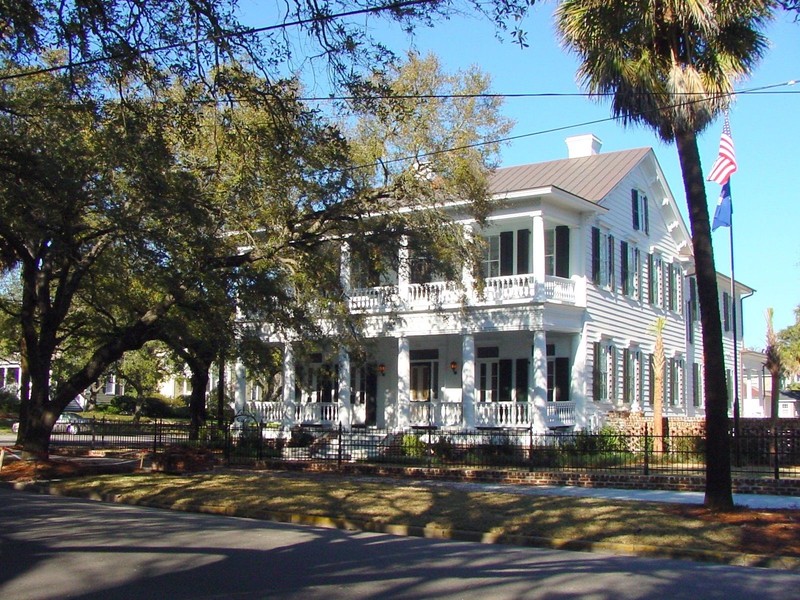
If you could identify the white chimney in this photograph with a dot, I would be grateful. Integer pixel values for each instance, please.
(586, 144)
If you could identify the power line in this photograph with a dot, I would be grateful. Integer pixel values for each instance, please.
(222, 36)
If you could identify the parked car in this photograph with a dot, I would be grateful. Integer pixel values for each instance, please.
(66, 423)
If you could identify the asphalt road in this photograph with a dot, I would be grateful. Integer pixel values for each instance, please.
(53, 547)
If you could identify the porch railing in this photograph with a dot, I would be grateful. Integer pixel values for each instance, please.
(438, 413)
(441, 293)
(503, 414)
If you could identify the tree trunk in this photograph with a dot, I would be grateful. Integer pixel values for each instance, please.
(718, 494)
(197, 400)
(775, 397)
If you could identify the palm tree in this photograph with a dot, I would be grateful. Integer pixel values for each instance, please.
(774, 365)
(671, 65)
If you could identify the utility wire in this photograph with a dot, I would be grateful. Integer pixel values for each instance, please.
(222, 36)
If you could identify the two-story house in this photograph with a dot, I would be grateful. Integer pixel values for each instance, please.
(583, 256)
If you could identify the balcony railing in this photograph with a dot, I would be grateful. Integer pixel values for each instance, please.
(497, 290)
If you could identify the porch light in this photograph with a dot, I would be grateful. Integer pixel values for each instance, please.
(382, 369)
(454, 367)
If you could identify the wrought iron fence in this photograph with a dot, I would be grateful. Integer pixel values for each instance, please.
(774, 454)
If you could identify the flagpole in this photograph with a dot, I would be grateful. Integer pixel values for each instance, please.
(736, 439)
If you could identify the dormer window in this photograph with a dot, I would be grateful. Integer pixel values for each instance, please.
(640, 211)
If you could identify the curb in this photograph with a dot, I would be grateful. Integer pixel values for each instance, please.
(787, 563)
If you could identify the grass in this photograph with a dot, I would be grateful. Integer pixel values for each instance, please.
(382, 502)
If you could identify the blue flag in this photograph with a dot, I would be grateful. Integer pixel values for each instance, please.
(722, 215)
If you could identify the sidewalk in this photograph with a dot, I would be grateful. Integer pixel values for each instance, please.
(754, 501)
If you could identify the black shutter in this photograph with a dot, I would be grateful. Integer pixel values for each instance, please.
(523, 251)
(562, 251)
(612, 266)
(522, 380)
(505, 379)
(652, 285)
(646, 219)
(595, 255)
(623, 268)
(507, 253)
(562, 379)
(596, 371)
(635, 209)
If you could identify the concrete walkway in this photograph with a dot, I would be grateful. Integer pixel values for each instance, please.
(756, 501)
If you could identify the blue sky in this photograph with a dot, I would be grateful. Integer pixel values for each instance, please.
(765, 129)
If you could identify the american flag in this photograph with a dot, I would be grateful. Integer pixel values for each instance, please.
(725, 165)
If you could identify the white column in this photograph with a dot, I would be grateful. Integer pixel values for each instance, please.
(538, 269)
(403, 383)
(538, 379)
(344, 268)
(403, 270)
(466, 271)
(289, 386)
(343, 394)
(240, 400)
(468, 380)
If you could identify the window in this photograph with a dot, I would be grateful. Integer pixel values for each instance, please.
(556, 251)
(657, 282)
(507, 253)
(628, 377)
(691, 310)
(603, 247)
(640, 211)
(424, 375)
(604, 364)
(491, 257)
(630, 270)
(726, 311)
(672, 287)
(675, 381)
(697, 396)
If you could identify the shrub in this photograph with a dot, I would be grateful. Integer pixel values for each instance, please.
(412, 447)
(9, 403)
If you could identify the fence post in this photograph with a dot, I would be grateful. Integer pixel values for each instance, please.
(530, 447)
(646, 452)
(155, 437)
(94, 427)
(339, 451)
(777, 455)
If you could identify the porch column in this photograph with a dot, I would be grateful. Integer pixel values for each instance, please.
(344, 268)
(289, 386)
(403, 271)
(403, 383)
(240, 400)
(343, 393)
(538, 379)
(468, 380)
(538, 269)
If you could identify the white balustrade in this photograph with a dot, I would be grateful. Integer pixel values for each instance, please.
(266, 412)
(503, 414)
(559, 289)
(509, 287)
(374, 298)
(436, 413)
(318, 412)
(560, 414)
(432, 294)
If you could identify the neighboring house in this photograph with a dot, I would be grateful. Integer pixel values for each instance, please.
(583, 255)
(757, 390)
(10, 375)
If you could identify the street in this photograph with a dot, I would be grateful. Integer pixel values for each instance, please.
(52, 547)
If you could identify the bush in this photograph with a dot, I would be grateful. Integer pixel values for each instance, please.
(412, 447)
(9, 403)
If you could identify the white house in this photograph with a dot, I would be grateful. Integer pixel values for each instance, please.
(583, 255)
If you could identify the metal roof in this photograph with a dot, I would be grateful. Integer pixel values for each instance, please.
(589, 177)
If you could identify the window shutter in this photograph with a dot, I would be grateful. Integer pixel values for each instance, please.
(595, 255)
(562, 251)
(596, 395)
(562, 379)
(652, 284)
(624, 270)
(507, 253)
(611, 264)
(523, 251)
(635, 209)
(522, 380)
(505, 380)
(646, 219)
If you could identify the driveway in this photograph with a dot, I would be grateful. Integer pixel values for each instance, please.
(53, 547)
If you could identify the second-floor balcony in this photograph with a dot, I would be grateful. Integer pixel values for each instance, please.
(497, 291)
